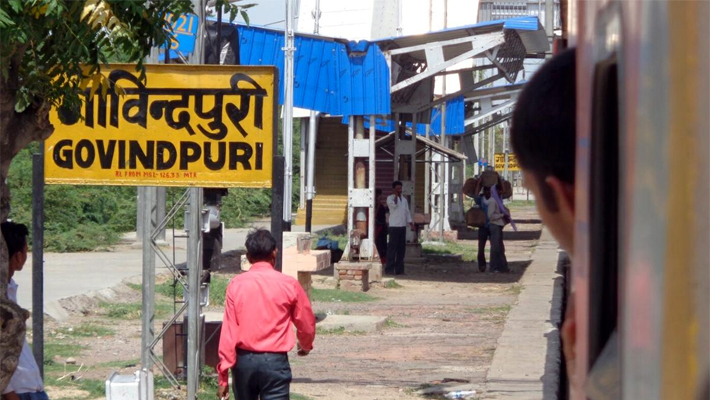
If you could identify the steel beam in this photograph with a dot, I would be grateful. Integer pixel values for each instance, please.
(490, 41)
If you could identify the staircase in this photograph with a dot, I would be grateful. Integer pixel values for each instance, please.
(331, 179)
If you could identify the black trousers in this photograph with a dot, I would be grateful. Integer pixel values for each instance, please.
(499, 262)
(264, 376)
(395, 249)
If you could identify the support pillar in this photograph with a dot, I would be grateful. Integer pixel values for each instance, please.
(194, 264)
(148, 282)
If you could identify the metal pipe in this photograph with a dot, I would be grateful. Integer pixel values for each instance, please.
(197, 54)
(311, 190)
(442, 173)
(289, 49)
(148, 281)
(444, 166)
(312, 133)
(549, 17)
(413, 165)
(38, 258)
(505, 149)
(427, 172)
(277, 208)
(304, 165)
(194, 256)
(351, 167)
(360, 177)
(373, 206)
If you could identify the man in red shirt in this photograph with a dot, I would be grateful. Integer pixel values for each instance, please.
(259, 309)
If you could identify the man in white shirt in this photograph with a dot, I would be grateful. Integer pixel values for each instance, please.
(397, 231)
(26, 383)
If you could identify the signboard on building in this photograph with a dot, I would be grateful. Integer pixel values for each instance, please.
(500, 162)
(210, 126)
(185, 32)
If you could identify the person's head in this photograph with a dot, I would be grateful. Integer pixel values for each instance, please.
(378, 194)
(543, 136)
(397, 188)
(487, 192)
(261, 247)
(16, 240)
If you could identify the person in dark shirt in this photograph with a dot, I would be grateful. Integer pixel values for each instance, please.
(381, 226)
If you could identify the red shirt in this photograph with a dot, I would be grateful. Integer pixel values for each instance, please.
(259, 309)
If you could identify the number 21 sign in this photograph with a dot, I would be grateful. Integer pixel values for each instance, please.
(185, 30)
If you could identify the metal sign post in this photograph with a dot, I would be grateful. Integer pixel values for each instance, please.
(194, 256)
(289, 49)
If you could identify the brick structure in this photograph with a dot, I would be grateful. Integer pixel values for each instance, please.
(353, 276)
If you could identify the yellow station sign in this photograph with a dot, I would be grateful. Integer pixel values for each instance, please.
(500, 162)
(210, 126)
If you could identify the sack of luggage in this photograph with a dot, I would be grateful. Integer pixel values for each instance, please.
(489, 178)
(475, 217)
(469, 187)
(507, 190)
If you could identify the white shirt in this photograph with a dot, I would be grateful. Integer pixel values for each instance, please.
(26, 378)
(399, 213)
(494, 215)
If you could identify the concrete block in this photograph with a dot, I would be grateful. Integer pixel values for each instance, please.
(363, 323)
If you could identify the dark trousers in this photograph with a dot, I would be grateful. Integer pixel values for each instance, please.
(483, 234)
(264, 376)
(499, 262)
(395, 249)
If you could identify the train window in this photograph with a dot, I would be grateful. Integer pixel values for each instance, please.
(604, 206)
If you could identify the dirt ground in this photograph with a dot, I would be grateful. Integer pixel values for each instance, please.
(444, 320)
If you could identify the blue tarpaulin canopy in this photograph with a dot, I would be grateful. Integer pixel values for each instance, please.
(330, 76)
(454, 120)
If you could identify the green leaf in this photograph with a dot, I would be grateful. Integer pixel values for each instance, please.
(22, 101)
(5, 20)
(16, 5)
(245, 15)
(51, 7)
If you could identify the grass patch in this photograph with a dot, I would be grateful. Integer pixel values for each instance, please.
(520, 203)
(120, 364)
(86, 330)
(515, 289)
(63, 350)
(95, 387)
(390, 323)
(218, 290)
(134, 310)
(490, 310)
(393, 285)
(296, 396)
(172, 289)
(468, 252)
(338, 332)
(335, 295)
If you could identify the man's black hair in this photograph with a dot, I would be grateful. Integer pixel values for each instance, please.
(396, 183)
(378, 192)
(543, 132)
(15, 236)
(260, 244)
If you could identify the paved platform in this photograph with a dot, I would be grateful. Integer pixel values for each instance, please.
(361, 323)
(526, 362)
(73, 274)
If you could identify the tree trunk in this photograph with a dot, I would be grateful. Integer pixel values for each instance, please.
(17, 130)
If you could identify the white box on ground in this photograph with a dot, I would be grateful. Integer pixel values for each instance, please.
(138, 386)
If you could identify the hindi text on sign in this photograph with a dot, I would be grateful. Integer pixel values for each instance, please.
(206, 125)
